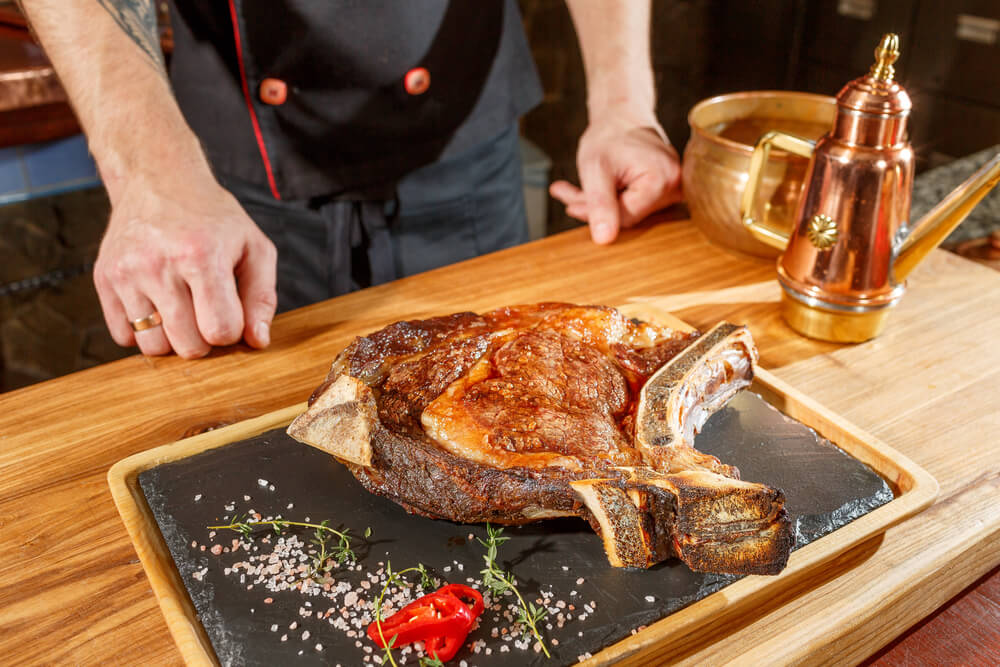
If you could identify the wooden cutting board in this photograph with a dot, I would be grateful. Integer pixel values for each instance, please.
(913, 489)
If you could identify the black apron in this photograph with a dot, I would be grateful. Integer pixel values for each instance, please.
(344, 119)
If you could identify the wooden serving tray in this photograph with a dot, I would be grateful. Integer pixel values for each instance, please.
(913, 488)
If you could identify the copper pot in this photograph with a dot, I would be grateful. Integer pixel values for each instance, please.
(716, 161)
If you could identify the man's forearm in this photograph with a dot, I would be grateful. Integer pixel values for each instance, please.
(137, 19)
(108, 58)
(614, 40)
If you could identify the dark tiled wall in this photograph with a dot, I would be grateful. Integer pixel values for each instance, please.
(51, 323)
(698, 48)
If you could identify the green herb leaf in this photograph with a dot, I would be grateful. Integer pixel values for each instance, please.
(499, 582)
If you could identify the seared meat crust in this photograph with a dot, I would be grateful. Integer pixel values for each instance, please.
(530, 412)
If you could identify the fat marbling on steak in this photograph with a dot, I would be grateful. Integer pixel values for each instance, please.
(549, 410)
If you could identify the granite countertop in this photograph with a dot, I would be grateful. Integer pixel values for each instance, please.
(933, 185)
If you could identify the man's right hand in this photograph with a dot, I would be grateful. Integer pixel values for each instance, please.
(177, 243)
(188, 251)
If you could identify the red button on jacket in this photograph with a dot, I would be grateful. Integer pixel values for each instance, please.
(273, 91)
(417, 81)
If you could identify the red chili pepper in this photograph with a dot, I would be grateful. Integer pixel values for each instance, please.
(465, 594)
(442, 620)
(445, 648)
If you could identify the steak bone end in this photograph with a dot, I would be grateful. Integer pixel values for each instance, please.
(711, 522)
(340, 421)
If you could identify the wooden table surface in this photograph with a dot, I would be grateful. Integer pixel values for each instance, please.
(73, 591)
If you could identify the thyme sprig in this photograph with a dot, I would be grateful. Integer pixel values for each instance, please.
(322, 532)
(397, 577)
(500, 581)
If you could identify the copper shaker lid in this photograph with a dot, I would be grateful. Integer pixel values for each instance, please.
(878, 92)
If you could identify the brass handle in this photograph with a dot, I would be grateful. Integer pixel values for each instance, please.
(782, 141)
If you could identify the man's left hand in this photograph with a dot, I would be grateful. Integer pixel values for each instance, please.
(628, 170)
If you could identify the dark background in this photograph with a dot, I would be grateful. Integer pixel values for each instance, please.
(50, 321)
(702, 48)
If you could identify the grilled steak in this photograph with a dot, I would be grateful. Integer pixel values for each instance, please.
(548, 410)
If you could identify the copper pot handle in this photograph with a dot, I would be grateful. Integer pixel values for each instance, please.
(786, 142)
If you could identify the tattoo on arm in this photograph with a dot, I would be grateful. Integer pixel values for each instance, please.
(137, 18)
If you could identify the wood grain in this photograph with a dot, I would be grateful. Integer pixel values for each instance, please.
(914, 488)
(71, 589)
(966, 631)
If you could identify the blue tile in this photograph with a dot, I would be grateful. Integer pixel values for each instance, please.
(54, 164)
(11, 172)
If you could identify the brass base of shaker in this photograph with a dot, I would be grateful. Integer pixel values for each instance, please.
(833, 325)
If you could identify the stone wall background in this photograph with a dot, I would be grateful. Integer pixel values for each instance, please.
(50, 319)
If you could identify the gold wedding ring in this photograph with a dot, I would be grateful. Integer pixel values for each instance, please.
(148, 322)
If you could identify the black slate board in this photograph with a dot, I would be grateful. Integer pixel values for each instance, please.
(825, 489)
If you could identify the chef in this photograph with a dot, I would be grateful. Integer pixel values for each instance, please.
(300, 150)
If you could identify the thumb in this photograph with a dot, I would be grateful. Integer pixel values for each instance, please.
(256, 277)
(602, 201)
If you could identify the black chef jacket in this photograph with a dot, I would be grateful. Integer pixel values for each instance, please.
(347, 122)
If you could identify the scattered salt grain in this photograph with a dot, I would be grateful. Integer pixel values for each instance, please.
(305, 635)
(246, 497)
(197, 497)
(284, 637)
(319, 647)
(650, 598)
(579, 582)
(262, 482)
(274, 628)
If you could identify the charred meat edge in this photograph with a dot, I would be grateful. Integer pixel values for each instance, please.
(702, 515)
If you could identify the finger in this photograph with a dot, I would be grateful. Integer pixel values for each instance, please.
(645, 195)
(217, 309)
(172, 297)
(578, 211)
(637, 205)
(567, 193)
(602, 201)
(152, 342)
(114, 312)
(256, 278)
